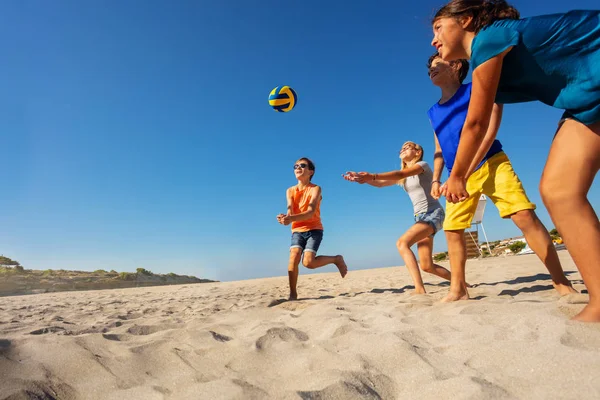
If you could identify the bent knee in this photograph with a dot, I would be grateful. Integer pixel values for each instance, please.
(427, 267)
(308, 259)
(524, 218)
(402, 244)
(560, 194)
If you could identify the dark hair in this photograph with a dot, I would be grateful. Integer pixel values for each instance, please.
(462, 72)
(311, 166)
(484, 12)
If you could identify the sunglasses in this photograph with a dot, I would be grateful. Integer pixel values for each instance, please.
(301, 165)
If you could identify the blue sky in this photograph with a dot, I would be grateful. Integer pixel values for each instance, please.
(139, 134)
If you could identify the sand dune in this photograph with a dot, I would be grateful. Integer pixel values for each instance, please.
(364, 336)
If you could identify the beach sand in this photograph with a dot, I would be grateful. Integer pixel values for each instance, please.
(364, 336)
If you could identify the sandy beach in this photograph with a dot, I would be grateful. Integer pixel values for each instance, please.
(364, 336)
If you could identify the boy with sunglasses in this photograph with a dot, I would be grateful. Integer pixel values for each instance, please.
(304, 213)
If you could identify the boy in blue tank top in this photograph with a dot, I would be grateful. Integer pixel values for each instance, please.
(490, 173)
(554, 59)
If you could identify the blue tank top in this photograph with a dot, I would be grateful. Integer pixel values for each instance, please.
(447, 121)
(554, 59)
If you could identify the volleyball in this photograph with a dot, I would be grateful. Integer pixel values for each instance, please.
(283, 98)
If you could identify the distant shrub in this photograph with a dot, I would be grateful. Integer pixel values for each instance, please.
(48, 272)
(517, 247)
(19, 269)
(112, 271)
(100, 271)
(127, 276)
(172, 275)
(440, 257)
(144, 271)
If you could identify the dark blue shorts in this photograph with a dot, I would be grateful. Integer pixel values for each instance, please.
(307, 241)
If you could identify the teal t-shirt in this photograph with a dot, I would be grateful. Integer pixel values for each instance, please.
(555, 59)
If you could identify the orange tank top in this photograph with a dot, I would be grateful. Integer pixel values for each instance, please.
(301, 199)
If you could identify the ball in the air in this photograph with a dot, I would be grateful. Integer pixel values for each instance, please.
(283, 98)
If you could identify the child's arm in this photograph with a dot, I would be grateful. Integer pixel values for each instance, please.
(351, 176)
(489, 138)
(483, 94)
(438, 166)
(312, 207)
(288, 195)
(381, 183)
(394, 176)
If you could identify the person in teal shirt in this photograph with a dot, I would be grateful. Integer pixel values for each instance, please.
(554, 59)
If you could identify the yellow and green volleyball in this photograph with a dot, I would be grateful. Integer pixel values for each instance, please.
(283, 98)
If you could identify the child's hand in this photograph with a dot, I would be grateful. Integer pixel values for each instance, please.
(279, 218)
(285, 219)
(361, 177)
(350, 176)
(455, 190)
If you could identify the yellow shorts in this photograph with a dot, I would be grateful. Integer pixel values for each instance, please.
(498, 181)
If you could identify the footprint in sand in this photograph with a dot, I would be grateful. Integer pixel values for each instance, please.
(275, 335)
(250, 391)
(143, 330)
(50, 329)
(220, 338)
(115, 337)
(580, 336)
(363, 385)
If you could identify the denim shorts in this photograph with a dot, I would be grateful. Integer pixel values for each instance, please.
(307, 241)
(434, 218)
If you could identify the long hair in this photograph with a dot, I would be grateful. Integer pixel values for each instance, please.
(413, 161)
(484, 12)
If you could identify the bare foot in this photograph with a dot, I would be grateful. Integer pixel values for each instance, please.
(563, 289)
(455, 296)
(341, 264)
(588, 314)
(293, 296)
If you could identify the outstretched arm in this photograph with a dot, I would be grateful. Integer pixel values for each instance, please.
(486, 78)
(393, 176)
(351, 176)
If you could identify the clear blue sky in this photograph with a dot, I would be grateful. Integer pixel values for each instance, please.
(138, 134)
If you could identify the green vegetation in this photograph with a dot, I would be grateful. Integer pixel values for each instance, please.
(517, 247)
(127, 276)
(100, 271)
(7, 262)
(440, 256)
(554, 234)
(143, 271)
